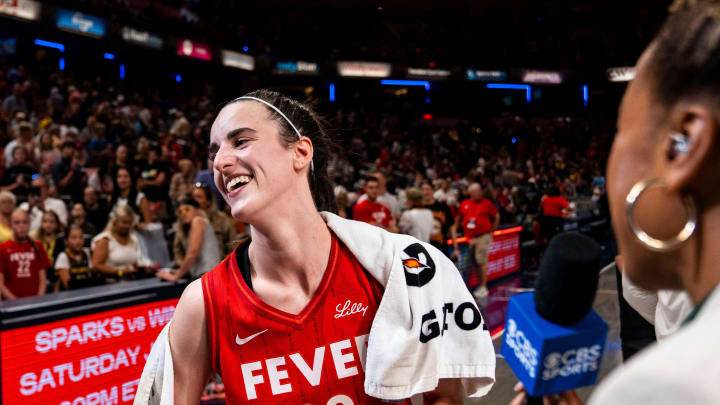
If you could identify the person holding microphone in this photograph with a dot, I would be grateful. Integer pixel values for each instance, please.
(664, 195)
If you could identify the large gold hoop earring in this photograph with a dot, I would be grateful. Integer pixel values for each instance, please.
(658, 245)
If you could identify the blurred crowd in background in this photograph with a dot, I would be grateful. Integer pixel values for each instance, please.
(128, 168)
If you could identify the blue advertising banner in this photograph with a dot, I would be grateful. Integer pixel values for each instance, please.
(78, 22)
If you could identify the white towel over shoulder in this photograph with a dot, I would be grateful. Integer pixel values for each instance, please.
(427, 326)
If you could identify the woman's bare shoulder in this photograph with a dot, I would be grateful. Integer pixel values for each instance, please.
(190, 313)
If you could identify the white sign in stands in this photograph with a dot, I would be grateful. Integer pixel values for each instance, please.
(542, 76)
(621, 74)
(364, 69)
(141, 37)
(24, 9)
(238, 60)
(422, 72)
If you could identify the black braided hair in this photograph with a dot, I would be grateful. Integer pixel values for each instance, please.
(685, 57)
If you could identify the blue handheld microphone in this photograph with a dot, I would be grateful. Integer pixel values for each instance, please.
(553, 339)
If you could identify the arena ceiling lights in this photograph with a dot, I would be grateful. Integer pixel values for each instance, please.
(506, 86)
(421, 83)
(49, 44)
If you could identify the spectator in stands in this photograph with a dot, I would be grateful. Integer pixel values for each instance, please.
(599, 181)
(7, 206)
(115, 251)
(505, 204)
(442, 217)
(154, 252)
(79, 220)
(417, 221)
(371, 211)
(24, 138)
(95, 208)
(342, 202)
(87, 132)
(154, 178)
(196, 235)
(23, 262)
(182, 182)
(553, 207)
(39, 202)
(102, 179)
(16, 101)
(68, 173)
(18, 176)
(98, 144)
(50, 235)
(223, 225)
(73, 263)
(384, 197)
(46, 154)
(478, 217)
(571, 188)
(173, 150)
(122, 159)
(180, 125)
(142, 150)
(206, 177)
(445, 193)
(125, 193)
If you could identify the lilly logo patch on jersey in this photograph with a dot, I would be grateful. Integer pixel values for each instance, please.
(241, 341)
(419, 267)
(350, 308)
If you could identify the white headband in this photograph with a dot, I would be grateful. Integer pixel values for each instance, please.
(312, 166)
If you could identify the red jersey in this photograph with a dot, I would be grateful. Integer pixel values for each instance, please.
(265, 355)
(553, 206)
(21, 264)
(372, 212)
(477, 217)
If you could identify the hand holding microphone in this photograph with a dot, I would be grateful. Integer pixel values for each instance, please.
(561, 398)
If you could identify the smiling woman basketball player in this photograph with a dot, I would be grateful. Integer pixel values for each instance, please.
(286, 316)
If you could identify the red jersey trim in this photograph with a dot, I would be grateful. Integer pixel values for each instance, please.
(292, 320)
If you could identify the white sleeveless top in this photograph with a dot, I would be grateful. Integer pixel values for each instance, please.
(119, 255)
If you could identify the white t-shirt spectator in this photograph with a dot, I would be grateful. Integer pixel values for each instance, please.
(120, 255)
(417, 222)
(51, 204)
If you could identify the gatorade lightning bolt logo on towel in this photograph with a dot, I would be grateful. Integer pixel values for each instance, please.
(419, 267)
